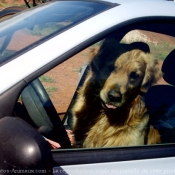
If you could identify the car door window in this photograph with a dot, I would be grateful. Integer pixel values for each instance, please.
(35, 29)
(63, 84)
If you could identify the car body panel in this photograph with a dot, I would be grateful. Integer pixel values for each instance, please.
(28, 65)
(136, 167)
(109, 159)
(130, 1)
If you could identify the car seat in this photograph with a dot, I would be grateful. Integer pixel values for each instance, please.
(160, 102)
(42, 113)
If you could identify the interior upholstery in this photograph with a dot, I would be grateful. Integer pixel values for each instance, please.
(160, 101)
(168, 68)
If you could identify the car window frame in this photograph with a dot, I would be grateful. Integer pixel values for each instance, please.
(117, 154)
(61, 155)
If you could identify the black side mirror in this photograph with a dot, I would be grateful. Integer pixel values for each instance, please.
(23, 149)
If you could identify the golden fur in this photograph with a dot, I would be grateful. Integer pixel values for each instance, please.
(110, 108)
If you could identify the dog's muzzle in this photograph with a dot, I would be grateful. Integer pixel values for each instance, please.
(114, 96)
(113, 100)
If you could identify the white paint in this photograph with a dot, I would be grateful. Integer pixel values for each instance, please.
(162, 166)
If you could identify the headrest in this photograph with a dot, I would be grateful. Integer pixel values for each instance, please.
(168, 68)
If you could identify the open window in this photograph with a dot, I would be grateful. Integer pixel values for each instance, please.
(62, 82)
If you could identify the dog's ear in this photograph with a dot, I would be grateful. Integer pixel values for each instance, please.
(102, 54)
(152, 73)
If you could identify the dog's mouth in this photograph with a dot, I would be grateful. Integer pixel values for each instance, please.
(112, 100)
(110, 106)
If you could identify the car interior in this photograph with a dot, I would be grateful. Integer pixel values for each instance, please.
(38, 109)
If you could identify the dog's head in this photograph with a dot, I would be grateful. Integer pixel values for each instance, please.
(134, 71)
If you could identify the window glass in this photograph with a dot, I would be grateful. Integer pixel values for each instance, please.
(62, 81)
(43, 22)
(125, 96)
(160, 45)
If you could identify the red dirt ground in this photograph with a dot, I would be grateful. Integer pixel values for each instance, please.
(66, 78)
(7, 3)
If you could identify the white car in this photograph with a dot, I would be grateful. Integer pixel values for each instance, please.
(44, 54)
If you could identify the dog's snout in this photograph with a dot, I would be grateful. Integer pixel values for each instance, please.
(114, 96)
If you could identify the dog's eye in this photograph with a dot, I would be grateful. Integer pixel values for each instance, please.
(134, 75)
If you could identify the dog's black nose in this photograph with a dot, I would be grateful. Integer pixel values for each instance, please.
(114, 96)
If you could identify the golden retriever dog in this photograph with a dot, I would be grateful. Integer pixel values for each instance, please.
(110, 109)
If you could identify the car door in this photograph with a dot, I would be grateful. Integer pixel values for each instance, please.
(143, 159)
(158, 34)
